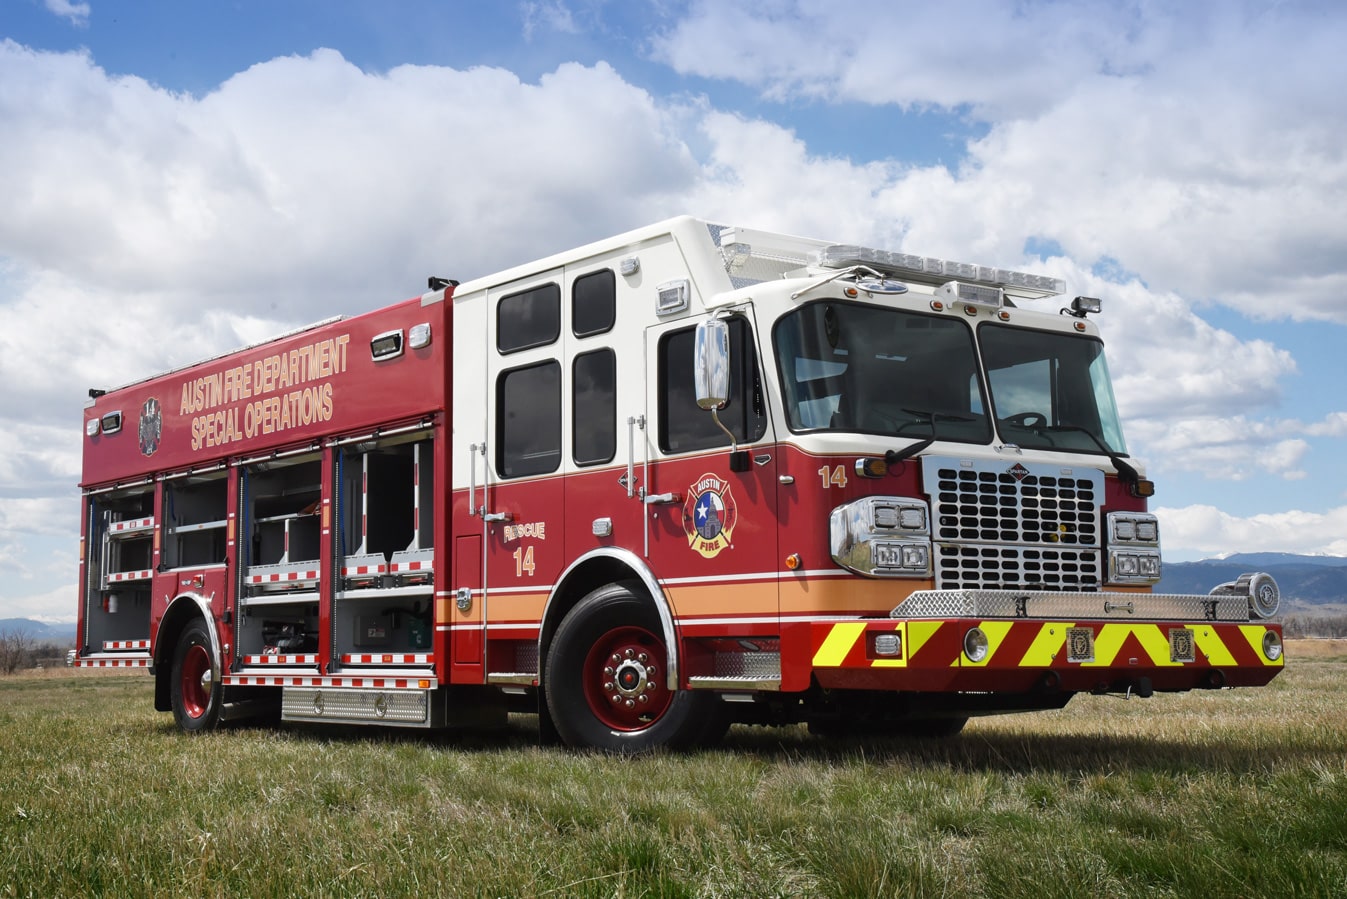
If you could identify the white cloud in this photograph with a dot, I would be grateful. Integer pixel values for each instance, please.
(552, 15)
(54, 606)
(1208, 531)
(1162, 137)
(77, 13)
(1234, 448)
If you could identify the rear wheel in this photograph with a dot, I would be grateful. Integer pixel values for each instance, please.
(607, 685)
(194, 691)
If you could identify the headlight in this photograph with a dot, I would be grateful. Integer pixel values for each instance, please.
(1272, 646)
(1134, 548)
(882, 536)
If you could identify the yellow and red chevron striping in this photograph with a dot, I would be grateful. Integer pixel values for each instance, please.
(1037, 644)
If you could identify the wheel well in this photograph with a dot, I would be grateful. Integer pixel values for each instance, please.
(180, 612)
(579, 583)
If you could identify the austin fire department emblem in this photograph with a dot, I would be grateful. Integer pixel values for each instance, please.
(151, 426)
(709, 516)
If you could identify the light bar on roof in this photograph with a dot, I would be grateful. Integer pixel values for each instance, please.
(937, 271)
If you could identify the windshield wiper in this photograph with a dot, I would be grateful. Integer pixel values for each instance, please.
(1126, 472)
(893, 457)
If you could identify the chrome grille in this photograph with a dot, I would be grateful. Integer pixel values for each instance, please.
(976, 567)
(988, 507)
(1000, 524)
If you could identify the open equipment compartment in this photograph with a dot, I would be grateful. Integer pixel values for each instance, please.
(280, 506)
(382, 613)
(120, 570)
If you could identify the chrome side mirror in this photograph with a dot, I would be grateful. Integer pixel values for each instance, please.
(711, 376)
(711, 364)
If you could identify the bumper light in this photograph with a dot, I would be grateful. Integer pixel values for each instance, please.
(975, 644)
(888, 644)
(1272, 646)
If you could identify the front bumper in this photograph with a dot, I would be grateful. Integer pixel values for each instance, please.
(1079, 642)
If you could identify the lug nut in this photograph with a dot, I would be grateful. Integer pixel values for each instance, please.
(643, 658)
(630, 653)
(630, 704)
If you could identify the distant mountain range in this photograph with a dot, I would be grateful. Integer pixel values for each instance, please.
(40, 632)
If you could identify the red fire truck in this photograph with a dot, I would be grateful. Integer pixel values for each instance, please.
(683, 477)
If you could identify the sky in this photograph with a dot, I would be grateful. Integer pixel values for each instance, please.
(178, 179)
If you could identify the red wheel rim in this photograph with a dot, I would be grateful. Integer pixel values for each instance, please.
(195, 694)
(624, 679)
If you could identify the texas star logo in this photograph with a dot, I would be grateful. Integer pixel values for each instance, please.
(709, 516)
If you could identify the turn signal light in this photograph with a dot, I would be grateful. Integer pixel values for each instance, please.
(871, 468)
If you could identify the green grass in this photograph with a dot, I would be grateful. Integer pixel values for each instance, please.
(1233, 793)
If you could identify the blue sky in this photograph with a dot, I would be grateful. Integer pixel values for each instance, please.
(181, 178)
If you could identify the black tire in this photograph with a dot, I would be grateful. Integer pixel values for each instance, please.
(196, 696)
(612, 645)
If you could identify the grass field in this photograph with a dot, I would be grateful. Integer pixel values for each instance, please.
(1232, 793)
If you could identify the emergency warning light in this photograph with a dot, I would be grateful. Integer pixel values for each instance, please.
(387, 345)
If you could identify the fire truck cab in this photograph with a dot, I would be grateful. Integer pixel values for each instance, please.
(683, 477)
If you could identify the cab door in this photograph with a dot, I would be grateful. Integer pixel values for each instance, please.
(712, 514)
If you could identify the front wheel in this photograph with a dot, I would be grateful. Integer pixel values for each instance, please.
(607, 685)
(194, 691)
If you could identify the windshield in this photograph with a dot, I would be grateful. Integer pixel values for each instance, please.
(882, 371)
(1050, 390)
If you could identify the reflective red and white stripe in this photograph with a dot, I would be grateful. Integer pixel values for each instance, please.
(358, 570)
(387, 659)
(277, 659)
(399, 567)
(124, 645)
(143, 575)
(382, 683)
(112, 663)
(137, 524)
(280, 578)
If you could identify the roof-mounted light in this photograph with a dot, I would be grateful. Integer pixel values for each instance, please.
(1083, 306)
(930, 270)
(971, 294)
